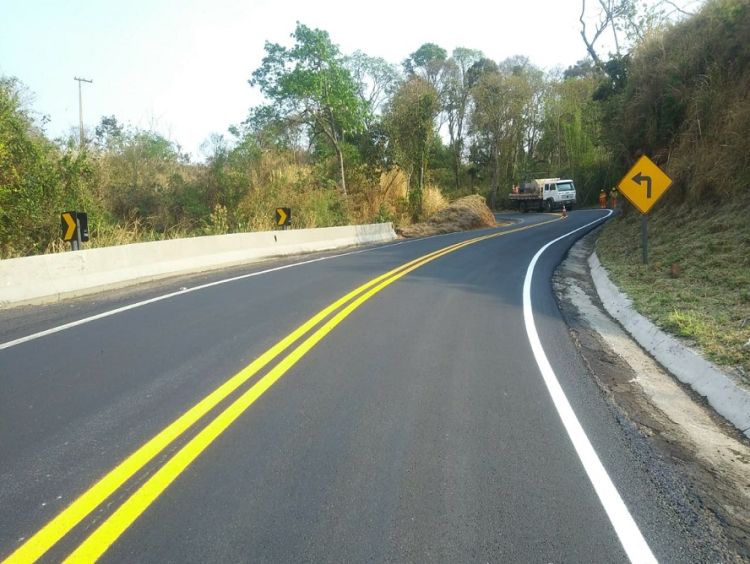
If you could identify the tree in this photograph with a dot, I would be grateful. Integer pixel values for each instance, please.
(37, 179)
(376, 80)
(427, 62)
(310, 84)
(480, 68)
(503, 120)
(457, 101)
(411, 123)
(628, 22)
(109, 134)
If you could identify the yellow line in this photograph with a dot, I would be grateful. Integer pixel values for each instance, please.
(98, 542)
(59, 526)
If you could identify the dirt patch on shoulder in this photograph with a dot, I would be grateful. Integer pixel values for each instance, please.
(470, 212)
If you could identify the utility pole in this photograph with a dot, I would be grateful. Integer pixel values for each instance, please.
(80, 107)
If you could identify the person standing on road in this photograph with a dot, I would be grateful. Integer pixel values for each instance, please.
(602, 199)
(613, 198)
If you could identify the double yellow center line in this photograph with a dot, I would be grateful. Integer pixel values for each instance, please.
(103, 537)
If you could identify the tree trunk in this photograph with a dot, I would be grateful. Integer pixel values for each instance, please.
(495, 176)
(457, 166)
(340, 154)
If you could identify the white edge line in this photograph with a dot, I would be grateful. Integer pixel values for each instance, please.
(135, 305)
(142, 303)
(108, 313)
(622, 521)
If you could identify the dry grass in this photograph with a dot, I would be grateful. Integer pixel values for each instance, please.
(433, 201)
(470, 212)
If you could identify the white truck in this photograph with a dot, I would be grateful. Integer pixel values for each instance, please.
(544, 194)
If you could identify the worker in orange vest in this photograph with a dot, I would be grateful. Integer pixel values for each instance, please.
(602, 199)
(613, 198)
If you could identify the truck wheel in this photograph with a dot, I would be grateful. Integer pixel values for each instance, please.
(548, 205)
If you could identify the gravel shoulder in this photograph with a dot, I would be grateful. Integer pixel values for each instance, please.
(704, 461)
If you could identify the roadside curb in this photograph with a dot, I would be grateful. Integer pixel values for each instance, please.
(723, 394)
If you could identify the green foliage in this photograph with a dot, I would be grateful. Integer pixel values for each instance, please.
(309, 84)
(410, 123)
(38, 180)
(427, 62)
(681, 98)
(376, 81)
(141, 175)
(354, 121)
(505, 121)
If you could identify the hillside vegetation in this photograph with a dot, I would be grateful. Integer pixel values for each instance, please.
(340, 138)
(685, 102)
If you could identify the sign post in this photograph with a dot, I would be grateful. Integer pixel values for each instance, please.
(643, 185)
(284, 217)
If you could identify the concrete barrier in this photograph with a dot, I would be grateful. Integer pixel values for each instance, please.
(48, 278)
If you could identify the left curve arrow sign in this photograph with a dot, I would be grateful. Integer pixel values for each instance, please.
(640, 178)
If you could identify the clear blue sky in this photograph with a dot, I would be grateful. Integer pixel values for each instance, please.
(181, 67)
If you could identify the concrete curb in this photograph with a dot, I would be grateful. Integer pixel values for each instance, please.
(50, 278)
(728, 399)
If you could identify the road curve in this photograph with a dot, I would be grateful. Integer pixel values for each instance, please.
(382, 404)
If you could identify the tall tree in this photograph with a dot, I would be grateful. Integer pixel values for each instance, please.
(410, 121)
(501, 121)
(428, 62)
(376, 79)
(310, 83)
(457, 101)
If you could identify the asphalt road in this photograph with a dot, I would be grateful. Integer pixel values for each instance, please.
(415, 426)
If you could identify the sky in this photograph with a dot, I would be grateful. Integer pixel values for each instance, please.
(181, 67)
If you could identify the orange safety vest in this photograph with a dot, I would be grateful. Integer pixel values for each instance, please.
(602, 200)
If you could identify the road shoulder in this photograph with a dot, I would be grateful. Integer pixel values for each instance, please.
(709, 456)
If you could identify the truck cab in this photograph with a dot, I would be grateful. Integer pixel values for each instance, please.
(544, 194)
(558, 192)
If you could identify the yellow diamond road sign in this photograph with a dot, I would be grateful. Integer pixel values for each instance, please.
(644, 184)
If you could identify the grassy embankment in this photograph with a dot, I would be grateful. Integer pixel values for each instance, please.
(697, 282)
(686, 105)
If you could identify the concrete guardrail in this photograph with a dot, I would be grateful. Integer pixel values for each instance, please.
(49, 278)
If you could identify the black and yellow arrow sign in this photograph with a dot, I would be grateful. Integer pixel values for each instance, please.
(68, 224)
(283, 216)
(644, 184)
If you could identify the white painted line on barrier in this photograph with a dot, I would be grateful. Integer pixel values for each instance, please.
(622, 521)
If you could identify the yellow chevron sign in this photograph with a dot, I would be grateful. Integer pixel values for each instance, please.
(68, 221)
(283, 216)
